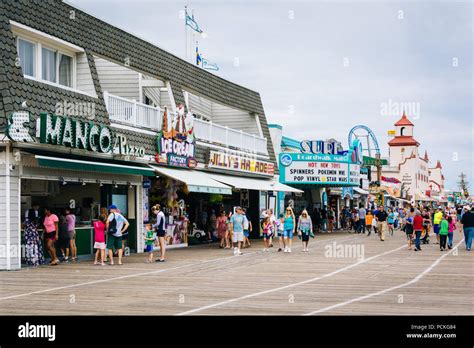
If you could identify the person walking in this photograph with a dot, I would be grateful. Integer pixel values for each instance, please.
(305, 229)
(99, 239)
(247, 229)
(390, 220)
(237, 222)
(451, 229)
(63, 238)
(160, 228)
(467, 222)
(267, 232)
(51, 231)
(368, 222)
(71, 226)
(33, 247)
(289, 225)
(222, 230)
(443, 233)
(408, 227)
(374, 223)
(438, 216)
(116, 225)
(331, 217)
(324, 219)
(381, 218)
(362, 217)
(279, 230)
(418, 229)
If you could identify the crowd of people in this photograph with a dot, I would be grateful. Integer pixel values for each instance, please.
(234, 228)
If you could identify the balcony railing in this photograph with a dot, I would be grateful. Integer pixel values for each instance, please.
(132, 113)
(214, 133)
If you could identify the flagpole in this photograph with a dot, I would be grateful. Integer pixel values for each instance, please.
(185, 33)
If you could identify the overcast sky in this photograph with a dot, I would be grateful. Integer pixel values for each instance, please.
(323, 67)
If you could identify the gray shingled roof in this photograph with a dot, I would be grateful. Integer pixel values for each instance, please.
(102, 39)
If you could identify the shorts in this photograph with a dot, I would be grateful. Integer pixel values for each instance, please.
(50, 235)
(114, 242)
(63, 243)
(149, 248)
(161, 233)
(280, 233)
(436, 229)
(267, 236)
(238, 237)
(288, 233)
(305, 237)
(246, 233)
(99, 245)
(125, 236)
(72, 234)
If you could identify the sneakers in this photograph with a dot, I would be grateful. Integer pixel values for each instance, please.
(289, 250)
(235, 251)
(285, 250)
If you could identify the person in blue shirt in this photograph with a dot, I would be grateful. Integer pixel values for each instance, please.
(237, 222)
(390, 221)
(289, 225)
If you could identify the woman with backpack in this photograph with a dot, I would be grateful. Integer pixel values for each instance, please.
(222, 230)
(159, 227)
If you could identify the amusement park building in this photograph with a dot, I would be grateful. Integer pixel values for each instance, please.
(418, 181)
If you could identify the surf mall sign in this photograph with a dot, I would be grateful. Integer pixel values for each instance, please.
(69, 132)
(322, 169)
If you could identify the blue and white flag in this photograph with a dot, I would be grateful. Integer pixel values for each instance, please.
(208, 65)
(191, 22)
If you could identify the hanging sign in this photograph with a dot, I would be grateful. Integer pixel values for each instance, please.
(235, 162)
(176, 146)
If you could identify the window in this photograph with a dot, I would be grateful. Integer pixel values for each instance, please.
(52, 65)
(48, 65)
(26, 53)
(401, 131)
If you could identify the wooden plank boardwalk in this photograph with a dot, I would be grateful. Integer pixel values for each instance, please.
(205, 280)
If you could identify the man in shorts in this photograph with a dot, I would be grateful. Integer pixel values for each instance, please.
(438, 216)
(237, 222)
(114, 240)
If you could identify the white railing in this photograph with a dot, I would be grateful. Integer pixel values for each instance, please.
(215, 133)
(132, 113)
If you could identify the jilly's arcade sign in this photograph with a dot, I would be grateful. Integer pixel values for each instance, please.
(229, 161)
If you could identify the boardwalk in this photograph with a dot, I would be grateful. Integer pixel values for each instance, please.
(205, 280)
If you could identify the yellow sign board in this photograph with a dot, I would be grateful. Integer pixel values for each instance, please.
(391, 132)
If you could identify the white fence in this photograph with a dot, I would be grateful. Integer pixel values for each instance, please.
(215, 133)
(130, 112)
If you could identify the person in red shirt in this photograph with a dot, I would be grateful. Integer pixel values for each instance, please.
(418, 228)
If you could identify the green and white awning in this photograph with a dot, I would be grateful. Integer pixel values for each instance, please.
(196, 180)
(90, 166)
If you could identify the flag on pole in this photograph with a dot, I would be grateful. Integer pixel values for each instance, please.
(208, 65)
(191, 22)
(198, 56)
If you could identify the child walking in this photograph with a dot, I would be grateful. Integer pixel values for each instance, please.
(267, 233)
(451, 229)
(443, 233)
(279, 227)
(99, 239)
(149, 241)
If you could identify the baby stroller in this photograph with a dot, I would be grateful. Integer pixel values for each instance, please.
(425, 235)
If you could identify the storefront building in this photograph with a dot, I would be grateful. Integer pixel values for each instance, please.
(322, 169)
(91, 115)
